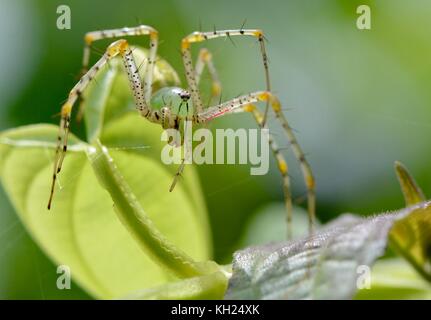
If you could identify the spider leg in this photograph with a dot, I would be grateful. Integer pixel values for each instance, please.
(119, 47)
(205, 59)
(281, 164)
(241, 104)
(307, 173)
(193, 73)
(184, 155)
(177, 175)
(142, 30)
(203, 36)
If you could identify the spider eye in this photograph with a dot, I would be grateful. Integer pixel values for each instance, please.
(184, 95)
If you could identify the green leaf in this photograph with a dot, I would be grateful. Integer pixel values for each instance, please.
(395, 279)
(212, 286)
(411, 191)
(82, 229)
(323, 266)
(133, 216)
(411, 237)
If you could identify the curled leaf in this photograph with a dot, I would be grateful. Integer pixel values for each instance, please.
(327, 264)
(411, 237)
(411, 191)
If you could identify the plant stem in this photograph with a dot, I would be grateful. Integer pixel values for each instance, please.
(133, 216)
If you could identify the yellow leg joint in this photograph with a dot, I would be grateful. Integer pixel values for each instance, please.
(310, 182)
(185, 44)
(195, 37)
(282, 165)
(88, 38)
(264, 96)
(154, 35)
(249, 108)
(123, 45)
(66, 109)
(205, 55)
(117, 47)
(275, 104)
(258, 33)
(216, 89)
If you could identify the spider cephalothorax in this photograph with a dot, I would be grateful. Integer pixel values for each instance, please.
(170, 106)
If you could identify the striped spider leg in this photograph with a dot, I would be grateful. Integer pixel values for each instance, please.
(245, 103)
(281, 164)
(204, 59)
(193, 73)
(142, 30)
(141, 90)
(204, 36)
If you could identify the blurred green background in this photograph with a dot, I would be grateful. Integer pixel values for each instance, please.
(358, 100)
